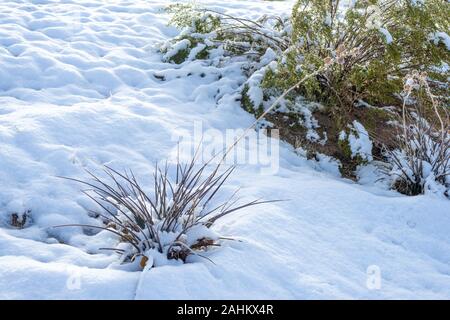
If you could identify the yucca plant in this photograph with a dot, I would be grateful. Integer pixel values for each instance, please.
(173, 220)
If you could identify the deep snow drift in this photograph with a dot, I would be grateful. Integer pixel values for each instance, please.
(80, 87)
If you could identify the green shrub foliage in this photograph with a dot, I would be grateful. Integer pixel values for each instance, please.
(386, 39)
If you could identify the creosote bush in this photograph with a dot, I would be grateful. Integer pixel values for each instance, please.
(376, 44)
(174, 221)
(349, 57)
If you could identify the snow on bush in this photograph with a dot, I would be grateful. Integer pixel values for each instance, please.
(421, 161)
(252, 88)
(178, 49)
(338, 55)
(388, 38)
(420, 169)
(359, 141)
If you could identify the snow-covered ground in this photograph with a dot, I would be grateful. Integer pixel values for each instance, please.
(80, 86)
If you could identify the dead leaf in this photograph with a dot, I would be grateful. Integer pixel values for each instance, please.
(144, 261)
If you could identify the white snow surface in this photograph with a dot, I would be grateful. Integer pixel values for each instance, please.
(76, 96)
